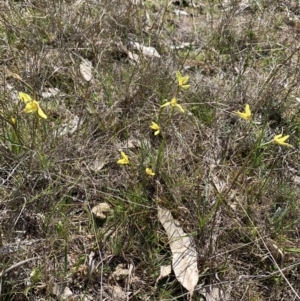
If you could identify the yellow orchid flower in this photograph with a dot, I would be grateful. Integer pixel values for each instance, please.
(182, 80)
(174, 104)
(31, 105)
(154, 126)
(34, 106)
(150, 172)
(124, 159)
(245, 115)
(278, 139)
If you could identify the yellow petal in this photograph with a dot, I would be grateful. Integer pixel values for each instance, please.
(31, 107)
(150, 172)
(247, 110)
(165, 105)
(185, 87)
(182, 80)
(178, 76)
(277, 137)
(173, 102)
(155, 126)
(24, 97)
(180, 108)
(41, 113)
(245, 115)
(242, 115)
(281, 140)
(124, 159)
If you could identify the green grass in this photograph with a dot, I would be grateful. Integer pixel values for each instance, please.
(226, 182)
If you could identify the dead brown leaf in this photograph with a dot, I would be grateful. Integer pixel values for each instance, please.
(184, 255)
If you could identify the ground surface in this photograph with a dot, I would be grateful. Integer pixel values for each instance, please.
(228, 185)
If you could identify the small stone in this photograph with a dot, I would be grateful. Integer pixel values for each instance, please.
(120, 273)
(101, 211)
